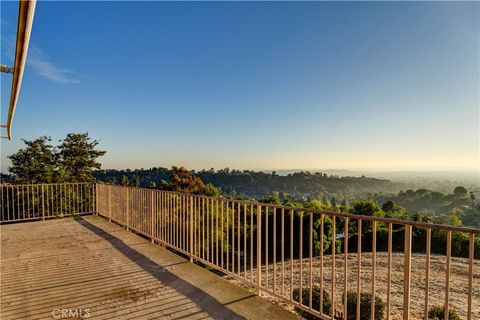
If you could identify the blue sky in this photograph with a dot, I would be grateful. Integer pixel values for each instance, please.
(256, 85)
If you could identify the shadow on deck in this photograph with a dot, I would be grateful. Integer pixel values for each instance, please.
(87, 267)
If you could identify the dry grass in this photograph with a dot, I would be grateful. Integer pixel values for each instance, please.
(437, 283)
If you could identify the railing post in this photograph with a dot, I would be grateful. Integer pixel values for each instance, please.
(191, 228)
(43, 204)
(406, 272)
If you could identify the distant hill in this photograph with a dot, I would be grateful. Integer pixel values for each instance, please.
(252, 183)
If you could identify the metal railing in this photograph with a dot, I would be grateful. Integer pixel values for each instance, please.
(304, 256)
(45, 201)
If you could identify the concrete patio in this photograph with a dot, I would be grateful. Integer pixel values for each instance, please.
(86, 267)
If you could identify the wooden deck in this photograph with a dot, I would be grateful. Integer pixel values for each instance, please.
(89, 268)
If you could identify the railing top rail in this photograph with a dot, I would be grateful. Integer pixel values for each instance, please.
(44, 184)
(326, 212)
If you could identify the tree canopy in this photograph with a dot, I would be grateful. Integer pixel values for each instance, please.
(78, 157)
(36, 163)
(73, 160)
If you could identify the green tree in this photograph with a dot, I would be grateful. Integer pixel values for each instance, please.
(211, 190)
(393, 210)
(164, 185)
(135, 181)
(78, 156)
(184, 180)
(152, 185)
(388, 206)
(124, 181)
(366, 208)
(472, 197)
(36, 163)
(453, 218)
(460, 191)
(333, 203)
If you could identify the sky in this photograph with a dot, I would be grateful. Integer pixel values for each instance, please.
(256, 85)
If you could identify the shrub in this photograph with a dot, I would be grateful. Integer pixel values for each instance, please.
(365, 306)
(327, 304)
(438, 313)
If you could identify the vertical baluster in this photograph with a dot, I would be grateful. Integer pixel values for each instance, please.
(213, 231)
(359, 274)
(222, 233)
(251, 243)
(266, 247)
(181, 222)
(127, 207)
(310, 254)
(2, 213)
(345, 270)
(245, 241)
(199, 226)
(447, 275)
(163, 228)
(334, 241)
(227, 225)
(152, 220)
(167, 213)
(8, 202)
(374, 267)
(301, 257)
(191, 229)
(56, 200)
(110, 203)
(321, 261)
(28, 202)
(259, 247)
(233, 237)
(210, 231)
(389, 272)
(216, 232)
(175, 219)
(43, 204)
(203, 228)
(23, 203)
(406, 272)
(291, 254)
(185, 223)
(238, 238)
(96, 200)
(470, 275)
(282, 241)
(62, 200)
(274, 249)
(194, 225)
(172, 219)
(207, 224)
(81, 204)
(427, 270)
(17, 192)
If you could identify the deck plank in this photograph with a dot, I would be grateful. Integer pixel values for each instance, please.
(90, 264)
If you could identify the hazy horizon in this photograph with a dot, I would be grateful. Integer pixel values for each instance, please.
(364, 86)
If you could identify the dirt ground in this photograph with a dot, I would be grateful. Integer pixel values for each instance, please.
(458, 281)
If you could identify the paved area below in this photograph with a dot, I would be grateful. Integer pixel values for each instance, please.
(89, 268)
